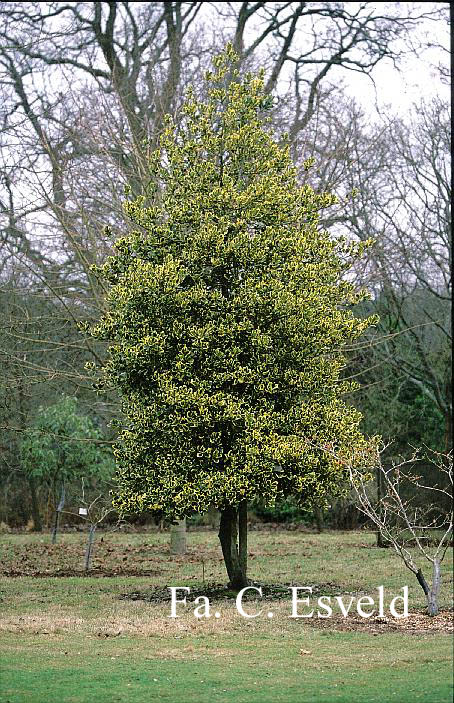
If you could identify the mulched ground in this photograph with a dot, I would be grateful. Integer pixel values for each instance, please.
(417, 623)
(218, 592)
(66, 559)
(110, 560)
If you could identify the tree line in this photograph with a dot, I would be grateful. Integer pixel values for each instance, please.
(86, 88)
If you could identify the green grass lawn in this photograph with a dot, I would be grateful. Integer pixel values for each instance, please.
(77, 639)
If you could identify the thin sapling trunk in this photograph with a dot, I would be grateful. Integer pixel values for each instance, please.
(432, 600)
(59, 509)
(433, 593)
(178, 537)
(89, 550)
(380, 540)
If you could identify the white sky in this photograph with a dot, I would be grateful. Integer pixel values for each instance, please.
(397, 89)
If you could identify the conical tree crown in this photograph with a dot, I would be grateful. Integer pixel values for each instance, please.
(228, 313)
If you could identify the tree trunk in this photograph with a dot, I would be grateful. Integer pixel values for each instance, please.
(58, 510)
(228, 528)
(178, 537)
(242, 536)
(380, 540)
(431, 593)
(423, 583)
(89, 550)
(432, 599)
(37, 524)
(55, 527)
(318, 514)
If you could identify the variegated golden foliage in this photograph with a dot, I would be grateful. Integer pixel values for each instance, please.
(228, 313)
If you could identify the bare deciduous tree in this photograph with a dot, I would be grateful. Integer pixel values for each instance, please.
(404, 203)
(422, 522)
(84, 89)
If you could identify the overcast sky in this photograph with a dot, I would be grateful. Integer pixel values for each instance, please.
(397, 88)
(416, 77)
